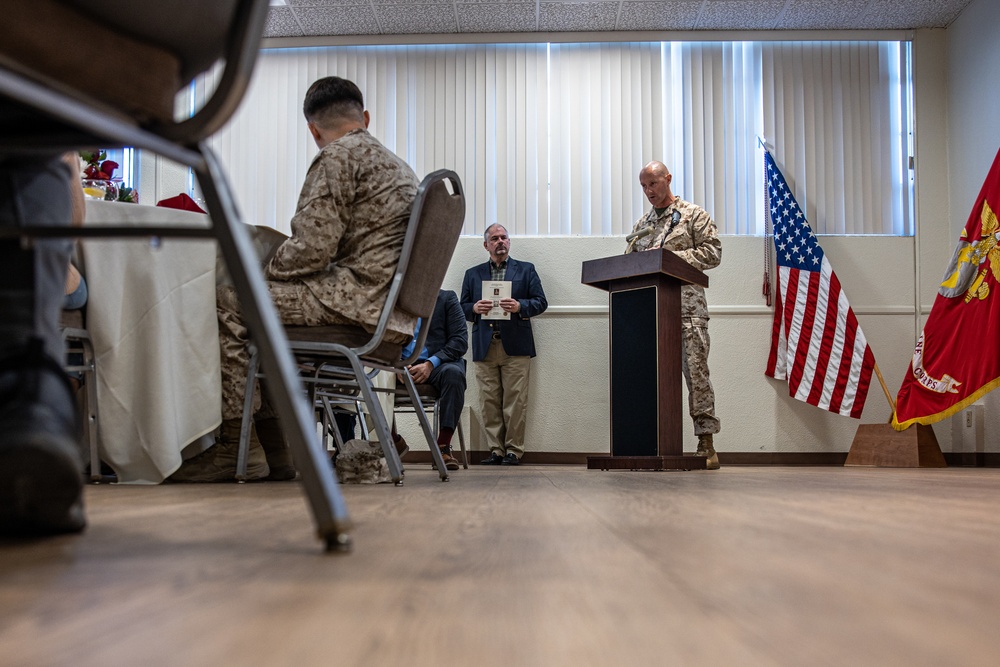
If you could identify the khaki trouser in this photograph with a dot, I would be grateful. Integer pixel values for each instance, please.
(503, 399)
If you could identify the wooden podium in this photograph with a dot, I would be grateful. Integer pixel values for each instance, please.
(645, 361)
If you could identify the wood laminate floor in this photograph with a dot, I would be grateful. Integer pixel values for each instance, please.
(536, 565)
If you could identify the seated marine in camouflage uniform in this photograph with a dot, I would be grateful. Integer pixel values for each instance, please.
(347, 234)
(689, 232)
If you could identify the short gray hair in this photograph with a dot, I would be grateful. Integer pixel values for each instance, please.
(486, 234)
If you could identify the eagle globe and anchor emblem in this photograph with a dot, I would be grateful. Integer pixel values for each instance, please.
(966, 276)
(967, 271)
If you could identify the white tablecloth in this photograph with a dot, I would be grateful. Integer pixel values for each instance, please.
(151, 315)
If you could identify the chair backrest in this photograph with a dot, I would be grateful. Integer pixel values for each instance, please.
(435, 225)
(431, 236)
(432, 233)
(50, 61)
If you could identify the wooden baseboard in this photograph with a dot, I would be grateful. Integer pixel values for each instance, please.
(973, 459)
(980, 459)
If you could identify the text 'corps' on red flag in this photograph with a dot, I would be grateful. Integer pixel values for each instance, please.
(816, 342)
(957, 360)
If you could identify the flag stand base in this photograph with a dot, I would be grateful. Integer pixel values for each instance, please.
(881, 446)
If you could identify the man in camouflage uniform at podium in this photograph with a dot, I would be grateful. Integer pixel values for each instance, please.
(689, 232)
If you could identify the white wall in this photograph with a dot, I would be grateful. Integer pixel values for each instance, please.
(890, 282)
(569, 382)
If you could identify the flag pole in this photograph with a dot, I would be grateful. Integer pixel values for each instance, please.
(888, 396)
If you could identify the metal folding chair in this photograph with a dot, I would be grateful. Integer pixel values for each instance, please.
(77, 341)
(43, 70)
(430, 400)
(334, 358)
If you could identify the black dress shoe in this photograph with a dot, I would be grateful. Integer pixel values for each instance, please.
(41, 481)
(494, 460)
(511, 460)
(402, 449)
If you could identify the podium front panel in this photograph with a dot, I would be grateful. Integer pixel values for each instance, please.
(634, 372)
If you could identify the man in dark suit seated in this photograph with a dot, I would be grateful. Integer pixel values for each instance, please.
(441, 365)
(502, 348)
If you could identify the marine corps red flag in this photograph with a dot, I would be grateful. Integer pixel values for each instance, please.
(957, 360)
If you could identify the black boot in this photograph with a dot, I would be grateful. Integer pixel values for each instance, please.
(279, 456)
(41, 472)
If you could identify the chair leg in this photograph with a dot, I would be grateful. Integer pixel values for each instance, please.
(461, 443)
(244, 448)
(330, 422)
(418, 408)
(90, 393)
(284, 385)
(381, 425)
(362, 422)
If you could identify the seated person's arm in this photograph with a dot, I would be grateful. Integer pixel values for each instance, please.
(76, 286)
(76, 290)
(76, 189)
(317, 227)
(456, 331)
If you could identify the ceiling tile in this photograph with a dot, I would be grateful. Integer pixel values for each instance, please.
(739, 15)
(325, 3)
(658, 15)
(906, 14)
(357, 17)
(823, 15)
(416, 19)
(281, 23)
(497, 17)
(582, 16)
(344, 20)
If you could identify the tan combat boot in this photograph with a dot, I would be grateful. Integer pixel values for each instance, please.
(218, 462)
(706, 449)
(279, 456)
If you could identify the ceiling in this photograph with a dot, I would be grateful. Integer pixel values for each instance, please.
(298, 18)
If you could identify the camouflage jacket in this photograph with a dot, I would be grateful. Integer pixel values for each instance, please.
(694, 238)
(348, 230)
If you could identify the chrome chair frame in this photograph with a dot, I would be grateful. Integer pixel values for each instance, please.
(78, 340)
(340, 368)
(75, 119)
(430, 400)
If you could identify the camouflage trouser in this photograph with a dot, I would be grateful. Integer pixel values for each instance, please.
(701, 396)
(296, 306)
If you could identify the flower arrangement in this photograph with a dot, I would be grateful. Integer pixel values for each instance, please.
(99, 167)
(99, 178)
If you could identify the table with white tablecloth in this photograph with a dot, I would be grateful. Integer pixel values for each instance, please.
(151, 316)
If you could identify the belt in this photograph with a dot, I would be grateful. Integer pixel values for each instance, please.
(496, 335)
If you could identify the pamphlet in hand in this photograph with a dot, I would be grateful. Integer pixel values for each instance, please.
(495, 290)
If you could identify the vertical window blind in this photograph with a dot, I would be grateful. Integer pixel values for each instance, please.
(549, 138)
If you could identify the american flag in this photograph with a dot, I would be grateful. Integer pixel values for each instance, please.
(816, 343)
